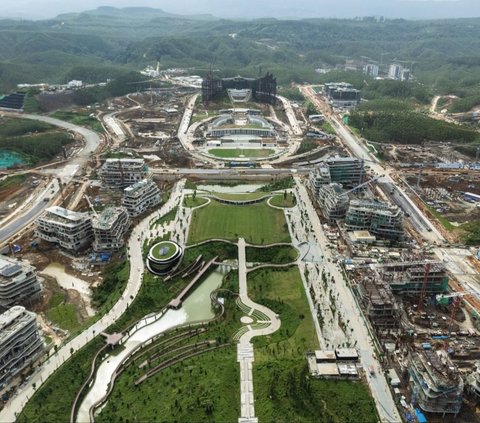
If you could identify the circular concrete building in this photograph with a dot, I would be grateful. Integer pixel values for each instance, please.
(163, 257)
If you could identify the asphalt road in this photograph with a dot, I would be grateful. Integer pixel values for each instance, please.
(135, 251)
(382, 396)
(67, 171)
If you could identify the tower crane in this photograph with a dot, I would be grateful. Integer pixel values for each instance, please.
(457, 299)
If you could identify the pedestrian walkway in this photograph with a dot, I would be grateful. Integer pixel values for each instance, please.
(267, 323)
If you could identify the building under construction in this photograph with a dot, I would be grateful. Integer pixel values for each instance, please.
(437, 386)
(414, 277)
(380, 219)
(333, 201)
(120, 173)
(262, 90)
(140, 197)
(109, 229)
(380, 305)
(69, 229)
(348, 171)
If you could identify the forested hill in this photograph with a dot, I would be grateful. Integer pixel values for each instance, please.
(445, 54)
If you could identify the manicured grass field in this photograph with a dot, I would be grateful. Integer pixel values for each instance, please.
(190, 202)
(226, 153)
(257, 223)
(284, 392)
(283, 292)
(283, 201)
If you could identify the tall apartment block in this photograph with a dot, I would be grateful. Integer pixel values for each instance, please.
(140, 197)
(109, 228)
(120, 173)
(18, 283)
(333, 201)
(71, 230)
(371, 70)
(20, 342)
(437, 385)
(348, 171)
(408, 277)
(379, 218)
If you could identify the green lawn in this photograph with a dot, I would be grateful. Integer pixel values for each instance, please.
(282, 200)
(64, 316)
(283, 292)
(191, 202)
(276, 255)
(257, 223)
(167, 218)
(164, 250)
(284, 392)
(226, 153)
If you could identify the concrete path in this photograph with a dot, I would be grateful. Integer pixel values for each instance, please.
(245, 354)
(135, 251)
(348, 307)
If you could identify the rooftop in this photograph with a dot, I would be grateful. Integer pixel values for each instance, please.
(9, 267)
(107, 217)
(65, 214)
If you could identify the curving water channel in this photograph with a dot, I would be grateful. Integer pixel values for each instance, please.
(196, 307)
(229, 189)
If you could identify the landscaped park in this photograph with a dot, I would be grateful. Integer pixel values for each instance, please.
(190, 372)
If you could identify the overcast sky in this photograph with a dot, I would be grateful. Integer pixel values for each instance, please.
(416, 9)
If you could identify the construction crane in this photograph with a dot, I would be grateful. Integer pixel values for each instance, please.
(370, 181)
(90, 205)
(423, 291)
(62, 193)
(457, 300)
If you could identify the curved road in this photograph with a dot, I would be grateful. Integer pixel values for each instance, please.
(66, 172)
(135, 249)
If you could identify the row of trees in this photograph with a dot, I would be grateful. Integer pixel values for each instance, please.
(408, 127)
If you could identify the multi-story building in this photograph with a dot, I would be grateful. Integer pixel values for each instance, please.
(395, 71)
(437, 386)
(370, 70)
(333, 201)
(379, 218)
(71, 230)
(399, 73)
(380, 304)
(20, 342)
(342, 94)
(109, 228)
(140, 197)
(348, 171)
(409, 277)
(18, 283)
(120, 173)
